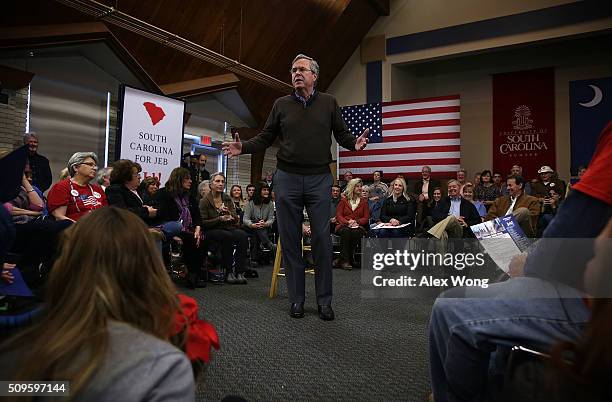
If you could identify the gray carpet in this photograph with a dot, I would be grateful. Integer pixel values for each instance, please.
(374, 350)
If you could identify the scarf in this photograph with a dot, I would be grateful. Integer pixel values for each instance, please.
(185, 215)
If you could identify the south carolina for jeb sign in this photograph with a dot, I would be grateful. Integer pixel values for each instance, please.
(524, 120)
(151, 131)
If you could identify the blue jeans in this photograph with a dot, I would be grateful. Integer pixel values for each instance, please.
(463, 332)
(169, 229)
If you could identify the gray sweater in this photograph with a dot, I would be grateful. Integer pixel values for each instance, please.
(304, 133)
(254, 213)
(138, 367)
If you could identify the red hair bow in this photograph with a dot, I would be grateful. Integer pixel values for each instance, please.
(200, 334)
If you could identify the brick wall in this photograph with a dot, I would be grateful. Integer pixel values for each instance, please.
(13, 118)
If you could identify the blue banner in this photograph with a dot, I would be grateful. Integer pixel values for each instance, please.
(590, 111)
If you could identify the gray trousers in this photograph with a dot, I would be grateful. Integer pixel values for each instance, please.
(293, 192)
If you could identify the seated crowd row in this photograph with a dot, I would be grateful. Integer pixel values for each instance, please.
(395, 211)
(201, 216)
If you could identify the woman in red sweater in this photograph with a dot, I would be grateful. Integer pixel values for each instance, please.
(352, 216)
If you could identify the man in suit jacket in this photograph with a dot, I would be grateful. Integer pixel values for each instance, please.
(525, 208)
(424, 188)
(423, 192)
(454, 215)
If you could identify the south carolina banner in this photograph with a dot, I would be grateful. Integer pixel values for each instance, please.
(524, 120)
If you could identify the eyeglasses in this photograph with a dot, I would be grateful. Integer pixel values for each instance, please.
(90, 164)
(299, 69)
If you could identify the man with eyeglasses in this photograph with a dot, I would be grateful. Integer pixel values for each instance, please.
(304, 122)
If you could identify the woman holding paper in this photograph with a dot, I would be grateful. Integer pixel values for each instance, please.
(397, 210)
(352, 216)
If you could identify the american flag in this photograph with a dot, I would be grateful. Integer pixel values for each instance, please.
(89, 200)
(404, 136)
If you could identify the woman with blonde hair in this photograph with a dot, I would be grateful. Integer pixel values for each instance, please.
(352, 216)
(220, 220)
(108, 320)
(398, 209)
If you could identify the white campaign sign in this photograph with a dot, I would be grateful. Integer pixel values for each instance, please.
(152, 132)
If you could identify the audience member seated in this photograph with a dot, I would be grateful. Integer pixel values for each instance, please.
(547, 182)
(147, 190)
(28, 174)
(250, 190)
(467, 324)
(174, 204)
(378, 189)
(348, 176)
(36, 238)
(423, 190)
(525, 208)
(258, 219)
(374, 206)
(398, 209)
(122, 192)
(76, 196)
(577, 370)
(468, 194)
(431, 204)
(486, 192)
(103, 177)
(109, 319)
(239, 203)
(352, 216)
(220, 220)
(454, 215)
(550, 205)
(497, 182)
(461, 178)
(203, 189)
(335, 193)
(516, 170)
(477, 180)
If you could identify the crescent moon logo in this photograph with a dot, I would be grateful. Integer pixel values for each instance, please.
(596, 99)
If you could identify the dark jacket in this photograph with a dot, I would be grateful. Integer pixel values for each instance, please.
(118, 195)
(418, 187)
(168, 210)
(466, 209)
(41, 171)
(211, 218)
(403, 210)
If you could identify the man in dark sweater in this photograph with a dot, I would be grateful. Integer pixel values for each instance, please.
(39, 165)
(303, 122)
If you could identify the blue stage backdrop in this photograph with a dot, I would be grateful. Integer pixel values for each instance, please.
(590, 111)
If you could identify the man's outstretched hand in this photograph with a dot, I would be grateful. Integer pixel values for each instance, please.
(362, 140)
(232, 148)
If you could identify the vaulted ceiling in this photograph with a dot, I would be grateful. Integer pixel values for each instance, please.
(262, 34)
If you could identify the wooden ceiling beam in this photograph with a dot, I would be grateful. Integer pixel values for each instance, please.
(201, 86)
(382, 7)
(13, 78)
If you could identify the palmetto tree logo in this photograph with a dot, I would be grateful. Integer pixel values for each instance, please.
(521, 118)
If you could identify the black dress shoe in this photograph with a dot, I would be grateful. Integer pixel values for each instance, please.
(297, 310)
(326, 313)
